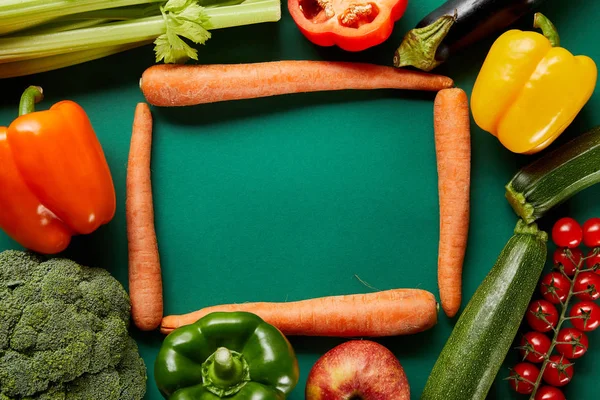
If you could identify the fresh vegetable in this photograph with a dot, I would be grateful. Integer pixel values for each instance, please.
(567, 260)
(571, 343)
(359, 369)
(534, 346)
(387, 313)
(63, 332)
(352, 26)
(549, 393)
(555, 287)
(55, 179)
(591, 232)
(31, 67)
(237, 356)
(587, 286)
(522, 377)
(541, 315)
(145, 282)
(186, 85)
(111, 29)
(17, 15)
(559, 371)
(455, 25)
(524, 94)
(453, 153)
(566, 232)
(19, 216)
(556, 176)
(473, 354)
(585, 316)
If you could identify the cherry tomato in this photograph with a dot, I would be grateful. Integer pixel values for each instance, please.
(559, 371)
(566, 232)
(587, 286)
(555, 287)
(575, 350)
(534, 346)
(593, 260)
(589, 313)
(563, 256)
(539, 310)
(549, 393)
(591, 232)
(523, 376)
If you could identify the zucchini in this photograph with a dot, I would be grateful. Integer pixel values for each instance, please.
(473, 354)
(555, 177)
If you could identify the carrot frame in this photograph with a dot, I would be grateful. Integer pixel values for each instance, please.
(384, 313)
(453, 155)
(145, 281)
(232, 307)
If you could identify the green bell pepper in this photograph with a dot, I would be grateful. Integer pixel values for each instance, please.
(234, 355)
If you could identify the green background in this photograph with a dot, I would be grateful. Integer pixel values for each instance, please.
(292, 197)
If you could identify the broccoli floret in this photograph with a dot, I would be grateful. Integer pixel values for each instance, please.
(55, 393)
(16, 268)
(103, 385)
(132, 373)
(64, 332)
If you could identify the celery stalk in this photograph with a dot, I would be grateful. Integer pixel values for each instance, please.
(89, 19)
(176, 21)
(22, 25)
(116, 14)
(249, 12)
(30, 67)
(21, 48)
(61, 26)
(16, 15)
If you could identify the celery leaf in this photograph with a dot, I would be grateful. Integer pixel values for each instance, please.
(183, 19)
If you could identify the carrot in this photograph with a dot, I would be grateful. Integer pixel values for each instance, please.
(186, 85)
(145, 284)
(453, 153)
(385, 313)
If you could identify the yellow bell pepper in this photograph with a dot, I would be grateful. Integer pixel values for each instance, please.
(529, 89)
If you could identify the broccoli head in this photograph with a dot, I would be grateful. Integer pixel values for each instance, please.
(64, 332)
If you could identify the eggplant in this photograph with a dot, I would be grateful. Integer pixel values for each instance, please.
(455, 25)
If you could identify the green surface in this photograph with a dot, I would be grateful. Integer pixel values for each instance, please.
(293, 197)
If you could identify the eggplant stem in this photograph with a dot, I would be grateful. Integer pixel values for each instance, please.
(420, 45)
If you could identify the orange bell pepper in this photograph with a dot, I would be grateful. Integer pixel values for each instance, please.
(54, 178)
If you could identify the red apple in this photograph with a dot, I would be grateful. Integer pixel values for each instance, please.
(357, 370)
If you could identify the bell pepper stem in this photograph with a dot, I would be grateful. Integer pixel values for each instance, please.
(31, 96)
(225, 366)
(540, 21)
(419, 47)
(225, 372)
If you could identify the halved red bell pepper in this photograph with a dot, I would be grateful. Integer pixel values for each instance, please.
(350, 25)
(54, 179)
